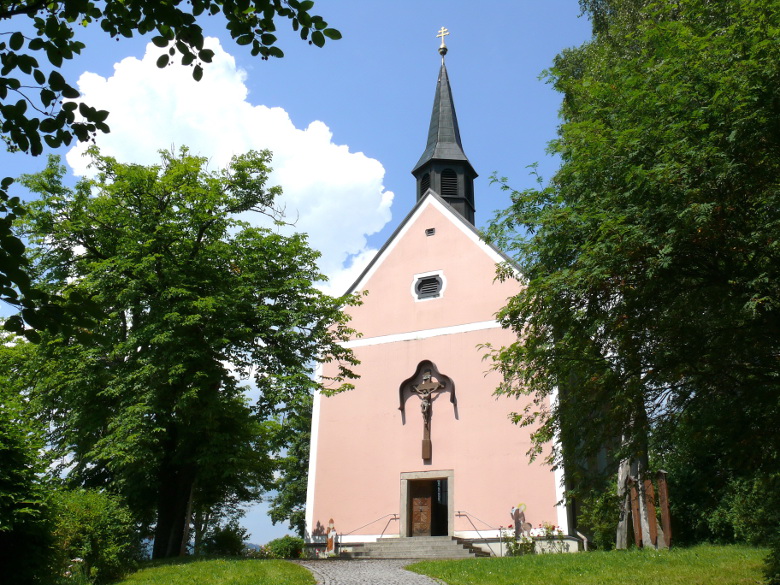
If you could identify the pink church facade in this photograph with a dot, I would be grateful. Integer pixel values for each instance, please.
(366, 464)
(421, 446)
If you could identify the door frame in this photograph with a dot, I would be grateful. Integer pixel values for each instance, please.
(406, 477)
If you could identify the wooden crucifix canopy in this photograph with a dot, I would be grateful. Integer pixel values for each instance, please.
(427, 383)
(407, 386)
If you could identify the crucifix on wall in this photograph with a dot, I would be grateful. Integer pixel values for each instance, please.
(427, 384)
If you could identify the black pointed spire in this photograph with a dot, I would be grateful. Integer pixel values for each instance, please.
(444, 166)
(443, 133)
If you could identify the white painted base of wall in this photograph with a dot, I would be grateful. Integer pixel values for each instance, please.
(488, 541)
(495, 547)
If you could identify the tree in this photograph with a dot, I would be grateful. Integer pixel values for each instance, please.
(292, 436)
(26, 523)
(38, 105)
(651, 260)
(148, 402)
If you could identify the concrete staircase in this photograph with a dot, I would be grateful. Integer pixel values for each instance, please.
(418, 547)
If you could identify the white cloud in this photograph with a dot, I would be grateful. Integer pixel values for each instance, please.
(336, 196)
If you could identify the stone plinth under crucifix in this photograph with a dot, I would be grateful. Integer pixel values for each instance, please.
(427, 384)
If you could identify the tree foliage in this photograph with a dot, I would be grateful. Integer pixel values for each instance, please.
(652, 260)
(39, 106)
(228, 540)
(292, 437)
(191, 301)
(27, 548)
(97, 530)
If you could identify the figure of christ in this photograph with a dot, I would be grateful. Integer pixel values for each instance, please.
(425, 390)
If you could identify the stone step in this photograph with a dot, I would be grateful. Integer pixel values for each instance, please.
(410, 555)
(422, 547)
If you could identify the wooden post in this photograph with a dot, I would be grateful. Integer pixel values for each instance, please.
(426, 448)
(635, 512)
(650, 508)
(663, 501)
(621, 537)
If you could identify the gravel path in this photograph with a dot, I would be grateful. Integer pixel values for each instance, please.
(365, 572)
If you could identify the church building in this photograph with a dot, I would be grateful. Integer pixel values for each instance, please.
(421, 446)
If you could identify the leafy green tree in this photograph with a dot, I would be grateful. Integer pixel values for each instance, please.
(149, 402)
(38, 105)
(292, 436)
(26, 523)
(651, 260)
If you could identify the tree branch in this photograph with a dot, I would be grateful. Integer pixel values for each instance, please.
(29, 10)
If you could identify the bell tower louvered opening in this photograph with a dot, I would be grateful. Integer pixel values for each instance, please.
(449, 183)
(425, 183)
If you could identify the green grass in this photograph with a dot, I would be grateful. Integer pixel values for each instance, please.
(221, 572)
(700, 565)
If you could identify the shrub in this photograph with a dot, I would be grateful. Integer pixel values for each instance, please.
(749, 511)
(226, 540)
(262, 552)
(772, 563)
(599, 515)
(286, 547)
(96, 528)
(27, 547)
(516, 547)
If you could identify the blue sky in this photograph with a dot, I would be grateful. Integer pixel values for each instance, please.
(346, 122)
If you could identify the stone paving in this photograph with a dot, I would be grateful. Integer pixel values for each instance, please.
(366, 572)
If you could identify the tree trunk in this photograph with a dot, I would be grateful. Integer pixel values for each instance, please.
(644, 508)
(185, 539)
(621, 538)
(173, 507)
(200, 523)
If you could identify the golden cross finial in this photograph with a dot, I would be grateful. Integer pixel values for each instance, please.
(443, 32)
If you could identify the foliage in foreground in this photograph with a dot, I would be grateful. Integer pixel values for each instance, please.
(286, 547)
(652, 259)
(772, 563)
(701, 565)
(221, 572)
(188, 302)
(26, 516)
(228, 540)
(97, 529)
(39, 105)
(288, 502)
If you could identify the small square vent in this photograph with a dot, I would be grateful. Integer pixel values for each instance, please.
(430, 232)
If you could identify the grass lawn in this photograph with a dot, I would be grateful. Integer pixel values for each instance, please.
(700, 565)
(221, 572)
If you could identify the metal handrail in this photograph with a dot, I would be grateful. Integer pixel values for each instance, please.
(394, 517)
(468, 517)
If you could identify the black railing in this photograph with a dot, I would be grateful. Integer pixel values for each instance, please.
(390, 516)
(469, 516)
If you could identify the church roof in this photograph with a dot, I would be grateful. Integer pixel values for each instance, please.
(467, 226)
(443, 134)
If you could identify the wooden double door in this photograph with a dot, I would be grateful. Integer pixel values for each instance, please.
(428, 507)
